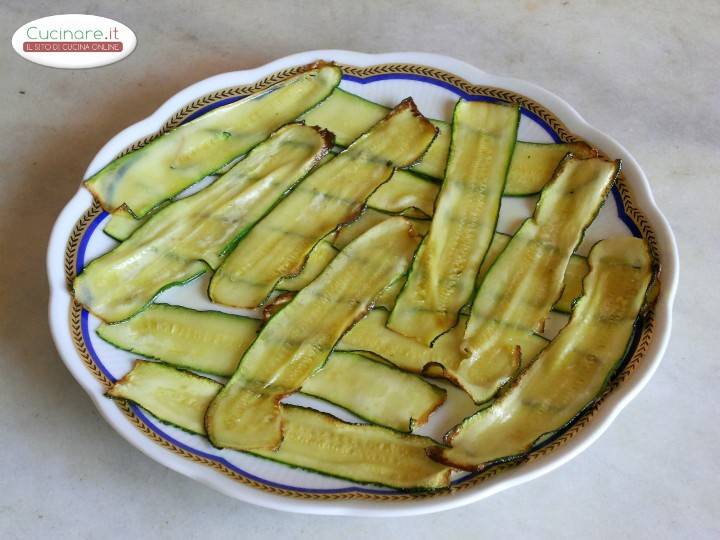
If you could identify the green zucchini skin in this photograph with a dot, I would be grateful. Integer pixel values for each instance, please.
(213, 342)
(334, 194)
(360, 453)
(526, 279)
(298, 339)
(177, 159)
(571, 373)
(442, 276)
(184, 238)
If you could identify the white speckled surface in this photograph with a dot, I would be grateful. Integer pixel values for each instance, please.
(644, 73)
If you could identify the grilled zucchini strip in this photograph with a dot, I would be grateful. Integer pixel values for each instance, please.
(378, 392)
(213, 342)
(313, 440)
(331, 195)
(208, 341)
(177, 159)
(571, 373)
(297, 340)
(371, 335)
(442, 276)
(175, 396)
(180, 241)
(526, 279)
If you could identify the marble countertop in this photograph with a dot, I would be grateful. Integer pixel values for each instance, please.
(644, 72)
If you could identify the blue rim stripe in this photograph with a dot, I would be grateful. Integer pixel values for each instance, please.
(80, 264)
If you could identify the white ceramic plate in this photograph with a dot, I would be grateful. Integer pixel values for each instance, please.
(435, 82)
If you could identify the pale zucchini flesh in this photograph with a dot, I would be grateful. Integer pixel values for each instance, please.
(296, 341)
(184, 238)
(526, 279)
(434, 160)
(312, 440)
(386, 299)
(122, 223)
(381, 393)
(442, 276)
(177, 159)
(331, 195)
(571, 372)
(214, 342)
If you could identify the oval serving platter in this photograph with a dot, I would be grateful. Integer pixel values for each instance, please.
(435, 82)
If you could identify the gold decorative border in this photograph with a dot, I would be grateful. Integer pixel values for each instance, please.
(647, 329)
